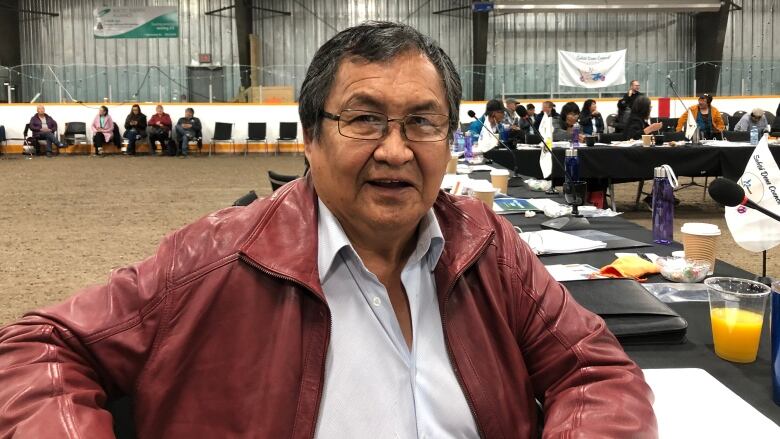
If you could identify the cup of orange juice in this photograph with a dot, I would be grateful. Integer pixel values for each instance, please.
(737, 315)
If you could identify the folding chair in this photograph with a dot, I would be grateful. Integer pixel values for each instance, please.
(75, 134)
(279, 180)
(256, 132)
(288, 132)
(223, 132)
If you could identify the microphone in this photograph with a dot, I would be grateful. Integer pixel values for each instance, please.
(473, 115)
(728, 193)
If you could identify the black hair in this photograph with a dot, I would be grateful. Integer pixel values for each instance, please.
(494, 105)
(641, 107)
(190, 110)
(586, 106)
(521, 111)
(530, 107)
(103, 107)
(374, 41)
(570, 107)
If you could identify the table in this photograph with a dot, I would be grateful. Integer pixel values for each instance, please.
(635, 163)
(752, 382)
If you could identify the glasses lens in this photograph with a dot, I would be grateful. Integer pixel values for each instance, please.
(426, 127)
(360, 124)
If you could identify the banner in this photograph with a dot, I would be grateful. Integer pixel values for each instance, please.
(751, 229)
(136, 22)
(591, 70)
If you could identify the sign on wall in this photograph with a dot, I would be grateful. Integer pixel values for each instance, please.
(591, 70)
(136, 22)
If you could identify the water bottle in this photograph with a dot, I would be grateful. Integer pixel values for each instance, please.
(575, 135)
(457, 142)
(754, 135)
(663, 207)
(468, 153)
(571, 166)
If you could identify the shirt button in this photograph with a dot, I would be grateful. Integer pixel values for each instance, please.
(377, 301)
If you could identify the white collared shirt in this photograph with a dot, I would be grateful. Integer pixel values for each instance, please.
(375, 386)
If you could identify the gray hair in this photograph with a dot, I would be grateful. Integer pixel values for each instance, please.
(373, 41)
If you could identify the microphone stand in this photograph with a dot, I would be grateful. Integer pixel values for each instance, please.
(695, 137)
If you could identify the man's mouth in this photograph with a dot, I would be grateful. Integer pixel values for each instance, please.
(390, 183)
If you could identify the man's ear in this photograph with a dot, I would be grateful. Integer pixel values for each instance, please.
(308, 140)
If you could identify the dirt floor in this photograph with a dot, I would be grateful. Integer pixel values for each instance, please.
(67, 221)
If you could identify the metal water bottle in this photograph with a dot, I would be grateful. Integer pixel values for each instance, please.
(663, 207)
(467, 146)
(571, 165)
(575, 135)
(774, 322)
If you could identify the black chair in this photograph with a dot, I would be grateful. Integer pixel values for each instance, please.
(288, 132)
(611, 121)
(770, 118)
(676, 136)
(223, 132)
(737, 136)
(279, 180)
(256, 132)
(532, 139)
(75, 133)
(734, 119)
(726, 119)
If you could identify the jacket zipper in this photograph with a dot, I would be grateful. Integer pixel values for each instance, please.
(327, 340)
(443, 315)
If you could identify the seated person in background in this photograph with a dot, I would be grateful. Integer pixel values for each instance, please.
(103, 127)
(43, 127)
(590, 119)
(510, 114)
(531, 111)
(638, 123)
(776, 124)
(570, 114)
(135, 128)
(187, 128)
(525, 122)
(755, 118)
(548, 108)
(159, 129)
(707, 117)
(490, 122)
(362, 301)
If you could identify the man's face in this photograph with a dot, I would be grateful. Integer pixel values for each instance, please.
(374, 185)
(159, 110)
(547, 108)
(496, 116)
(511, 106)
(188, 114)
(40, 110)
(531, 112)
(635, 86)
(755, 117)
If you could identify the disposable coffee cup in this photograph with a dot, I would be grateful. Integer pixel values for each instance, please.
(500, 179)
(485, 195)
(647, 140)
(452, 165)
(699, 242)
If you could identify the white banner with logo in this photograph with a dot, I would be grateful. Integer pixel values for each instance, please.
(136, 22)
(591, 70)
(751, 229)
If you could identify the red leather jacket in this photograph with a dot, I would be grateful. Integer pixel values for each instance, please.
(224, 332)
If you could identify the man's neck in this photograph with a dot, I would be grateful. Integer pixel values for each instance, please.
(383, 253)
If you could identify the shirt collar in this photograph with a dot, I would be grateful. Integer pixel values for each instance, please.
(331, 239)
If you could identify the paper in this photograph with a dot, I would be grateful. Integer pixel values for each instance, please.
(691, 403)
(509, 205)
(555, 242)
(567, 272)
(474, 168)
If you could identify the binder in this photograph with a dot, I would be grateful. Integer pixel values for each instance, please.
(632, 314)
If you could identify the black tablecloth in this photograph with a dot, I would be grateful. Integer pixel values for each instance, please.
(637, 162)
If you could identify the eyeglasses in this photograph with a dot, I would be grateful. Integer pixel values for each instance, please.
(370, 125)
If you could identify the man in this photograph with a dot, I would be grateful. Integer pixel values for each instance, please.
(531, 111)
(548, 108)
(486, 130)
(510, 115)
(707, 117)
(625, 104)
(755, 118)
(43, 127)
(359, 301)
(187, 128)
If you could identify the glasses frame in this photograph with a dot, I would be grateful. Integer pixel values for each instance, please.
(401, 121)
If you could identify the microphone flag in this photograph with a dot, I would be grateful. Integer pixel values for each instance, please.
(690, 126)
(751, 229)
(545, 156)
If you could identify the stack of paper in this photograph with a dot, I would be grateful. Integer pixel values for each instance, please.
(555, 242)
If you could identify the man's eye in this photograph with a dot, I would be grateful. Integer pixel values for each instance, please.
(419, 120)
(366, 118)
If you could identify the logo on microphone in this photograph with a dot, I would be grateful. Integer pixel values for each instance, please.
(741, 209)
(753, 186)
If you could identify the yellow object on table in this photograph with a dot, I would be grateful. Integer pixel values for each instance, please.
(736, 334)
(629, 266)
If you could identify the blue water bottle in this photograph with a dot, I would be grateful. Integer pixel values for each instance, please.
(575, 135)
(774, 322)
(754, 135)
(467, 147)
(663, 207)
(571, 166)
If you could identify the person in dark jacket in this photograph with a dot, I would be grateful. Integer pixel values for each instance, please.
(135, 128)
(187, 128)
(159, 129)
(625, 104)
(43, 127)
(590, 119)
(638, 124)
(776, 123)
(548, 108)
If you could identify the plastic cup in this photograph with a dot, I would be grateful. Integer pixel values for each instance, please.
(647, 140)
(737, 315)
(485, 195)
(500, 179)
(699, 241)
(452, 165)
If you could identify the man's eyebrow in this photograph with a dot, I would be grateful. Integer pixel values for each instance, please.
(361, 99)
(368, 102)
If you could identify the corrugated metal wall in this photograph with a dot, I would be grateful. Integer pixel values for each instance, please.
(521, 48)
(751, 53)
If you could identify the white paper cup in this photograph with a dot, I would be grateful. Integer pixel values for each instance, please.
(699, 242)
(500, 179)
(452, 165)
(486, 196)
(647, 140)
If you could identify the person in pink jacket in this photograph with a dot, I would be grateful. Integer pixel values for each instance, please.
(103, 127)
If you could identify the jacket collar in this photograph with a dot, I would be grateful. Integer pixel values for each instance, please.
(284, 244)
